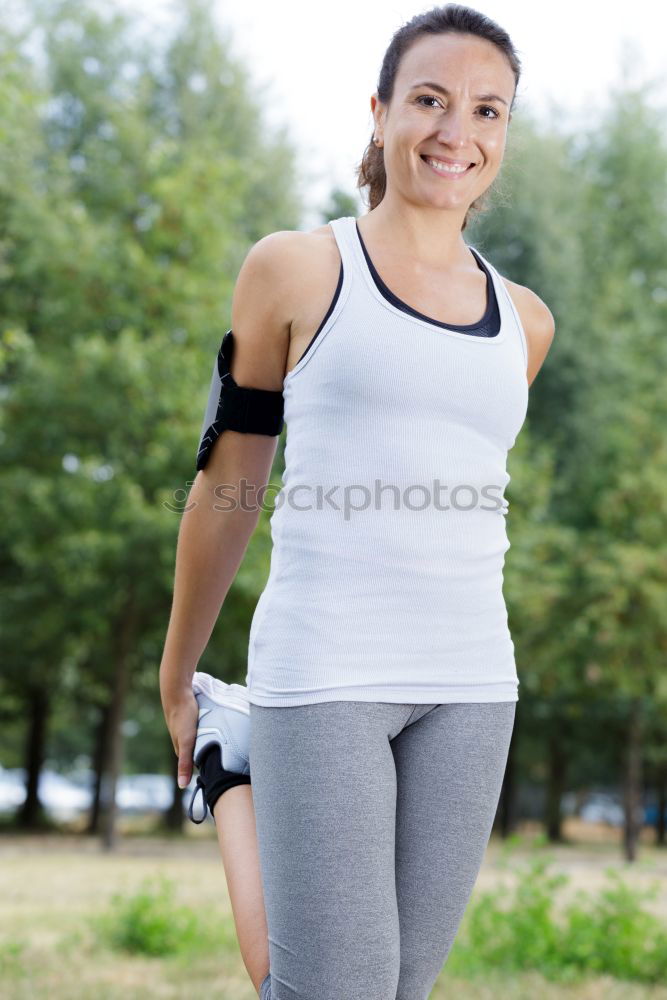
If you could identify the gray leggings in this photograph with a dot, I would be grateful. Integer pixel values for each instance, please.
(372, 823)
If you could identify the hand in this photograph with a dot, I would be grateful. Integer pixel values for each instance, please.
(182, 715)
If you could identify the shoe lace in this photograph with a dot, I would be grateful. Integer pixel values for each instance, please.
(200, 787)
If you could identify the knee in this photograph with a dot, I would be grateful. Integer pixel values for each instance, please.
(376, 978)
(354, 973)
(371, 966)
(416, 982)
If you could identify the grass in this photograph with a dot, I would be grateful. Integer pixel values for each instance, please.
(610, 933)
(153, 920)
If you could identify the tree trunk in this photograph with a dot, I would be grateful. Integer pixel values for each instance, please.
(100, 755)
(632, 785)
(662, 805)
(114, 755)
(125, 641)
(31, 814)
(555, 782)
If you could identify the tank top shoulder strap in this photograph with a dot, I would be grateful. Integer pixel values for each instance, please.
(344, 230)
(509, 308)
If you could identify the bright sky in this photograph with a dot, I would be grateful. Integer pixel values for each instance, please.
(316, 65)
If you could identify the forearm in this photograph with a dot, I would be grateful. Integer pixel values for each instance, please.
(211, 545)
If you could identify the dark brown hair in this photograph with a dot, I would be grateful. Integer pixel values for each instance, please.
(452, 17)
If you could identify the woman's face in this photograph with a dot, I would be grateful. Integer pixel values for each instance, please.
(451, 101)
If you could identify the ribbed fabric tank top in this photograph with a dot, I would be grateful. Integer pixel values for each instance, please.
(389, 532)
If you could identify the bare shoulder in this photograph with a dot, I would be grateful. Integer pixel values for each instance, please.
(282, 276)
(297, 253)
(538, 324)
(285, 253)
(284, 247)
(288, 282)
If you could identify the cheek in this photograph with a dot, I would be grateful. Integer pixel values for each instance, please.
(495, 144)
(410, 132)
(406, 136)
(401, 155)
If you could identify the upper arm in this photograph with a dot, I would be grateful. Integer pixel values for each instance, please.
(260, 324)
(538, 324)
(262, 312)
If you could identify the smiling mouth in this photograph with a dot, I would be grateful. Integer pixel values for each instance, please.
(444, 169)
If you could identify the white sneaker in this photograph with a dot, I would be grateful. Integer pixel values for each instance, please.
(224, 718)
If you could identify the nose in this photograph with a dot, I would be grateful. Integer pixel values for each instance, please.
(453, 130)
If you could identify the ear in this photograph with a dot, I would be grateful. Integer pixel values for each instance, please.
(377, 109)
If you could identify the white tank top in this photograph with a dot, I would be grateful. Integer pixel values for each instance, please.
(389, 537)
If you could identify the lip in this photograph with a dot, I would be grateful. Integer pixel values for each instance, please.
(439, 173)
(447, 159)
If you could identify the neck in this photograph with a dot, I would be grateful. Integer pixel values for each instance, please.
(431, 236)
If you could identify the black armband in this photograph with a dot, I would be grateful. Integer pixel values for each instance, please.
(236, 408)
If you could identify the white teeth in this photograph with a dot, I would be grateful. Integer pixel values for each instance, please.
(446, 168)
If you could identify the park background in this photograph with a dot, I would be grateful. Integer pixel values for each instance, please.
(137, 168)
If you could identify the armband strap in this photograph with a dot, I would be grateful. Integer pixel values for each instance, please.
(236, 408)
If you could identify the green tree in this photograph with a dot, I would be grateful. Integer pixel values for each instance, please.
(144, 175)
(582, 220)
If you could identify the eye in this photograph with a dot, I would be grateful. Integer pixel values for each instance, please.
(430, 97)
(427, 97)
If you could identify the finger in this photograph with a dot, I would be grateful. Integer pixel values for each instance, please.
(185, 765)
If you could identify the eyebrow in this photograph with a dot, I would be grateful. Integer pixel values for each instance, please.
(443, 90)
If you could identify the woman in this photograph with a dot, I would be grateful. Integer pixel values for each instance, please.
(382, 685)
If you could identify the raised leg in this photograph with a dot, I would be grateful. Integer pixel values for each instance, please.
(234, 815)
